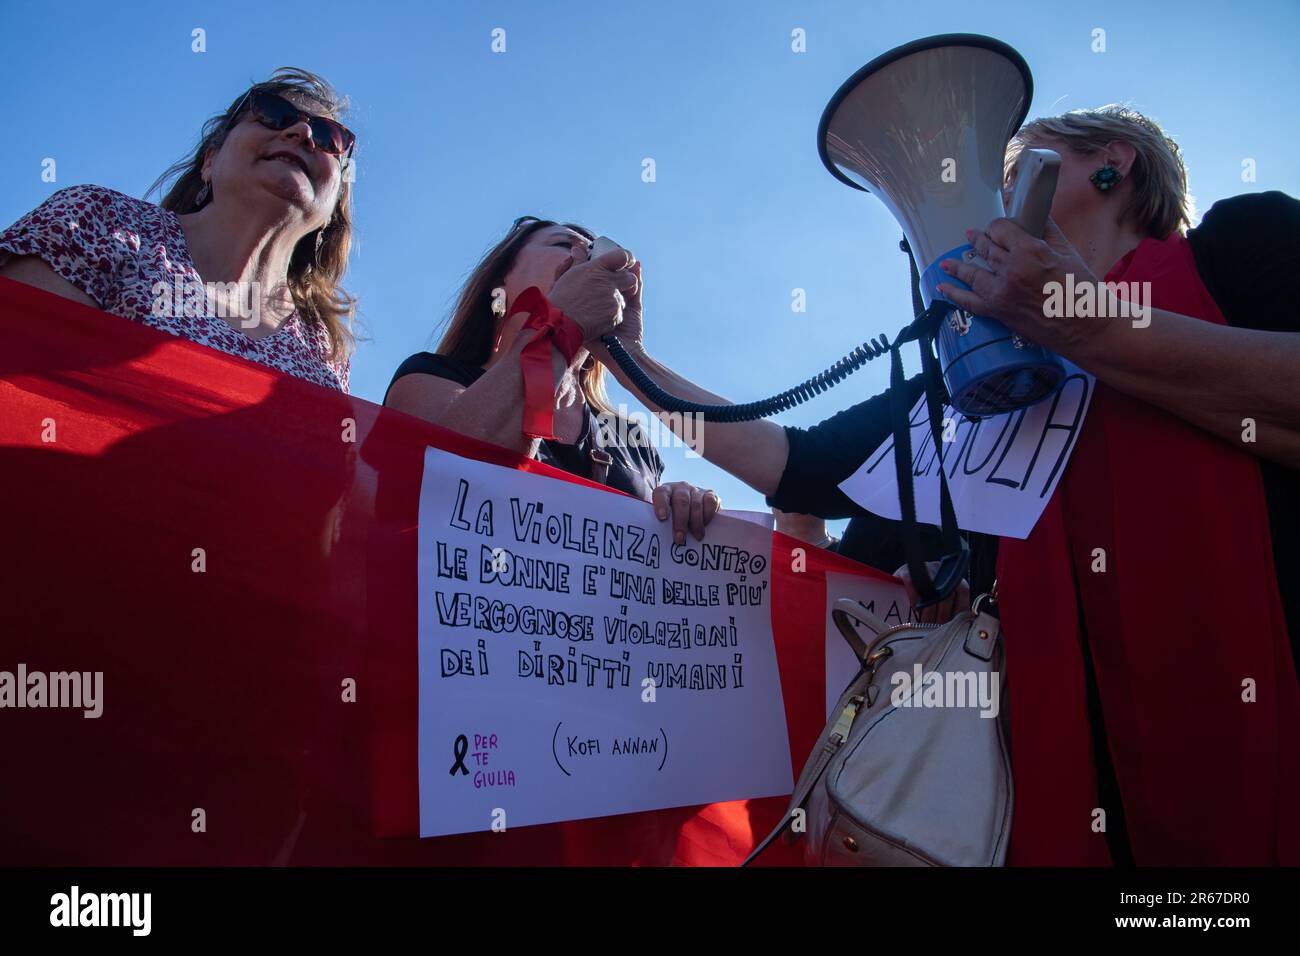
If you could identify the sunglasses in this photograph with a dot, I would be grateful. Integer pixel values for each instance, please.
(524, 221)
(275, 112)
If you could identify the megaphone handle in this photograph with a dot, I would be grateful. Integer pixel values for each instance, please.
(1031, 198)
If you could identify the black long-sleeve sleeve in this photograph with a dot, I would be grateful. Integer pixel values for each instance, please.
(1247, 251)
(824, 455)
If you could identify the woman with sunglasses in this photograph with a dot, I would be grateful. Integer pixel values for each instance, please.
(244, 254)
(475, 383)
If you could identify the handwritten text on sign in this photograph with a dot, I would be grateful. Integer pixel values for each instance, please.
(1001, 470)
(575, 662)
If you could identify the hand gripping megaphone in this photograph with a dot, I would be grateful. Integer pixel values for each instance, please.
(925, 127)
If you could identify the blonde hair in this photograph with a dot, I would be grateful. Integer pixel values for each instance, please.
(1160, 204)
(314, 275)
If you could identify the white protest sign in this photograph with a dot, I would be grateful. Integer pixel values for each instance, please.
(574, 662)
(1001, 470)
(885, 599)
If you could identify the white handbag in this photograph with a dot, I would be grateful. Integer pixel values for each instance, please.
(913, 769)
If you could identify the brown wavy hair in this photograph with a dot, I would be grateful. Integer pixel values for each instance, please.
(314, 276)
(470, 329)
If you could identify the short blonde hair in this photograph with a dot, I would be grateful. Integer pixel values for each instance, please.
(1161, 204)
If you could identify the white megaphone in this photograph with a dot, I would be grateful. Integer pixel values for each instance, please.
(925, 127)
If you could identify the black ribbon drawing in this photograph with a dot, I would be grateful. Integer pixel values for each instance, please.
(461, 748)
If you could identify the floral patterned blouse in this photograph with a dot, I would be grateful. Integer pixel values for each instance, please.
(130, 257)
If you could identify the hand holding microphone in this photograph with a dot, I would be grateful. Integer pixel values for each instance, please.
(594, 293)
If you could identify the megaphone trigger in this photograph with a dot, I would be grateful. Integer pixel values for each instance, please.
(976, 260)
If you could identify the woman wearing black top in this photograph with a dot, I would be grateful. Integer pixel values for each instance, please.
(473, 384)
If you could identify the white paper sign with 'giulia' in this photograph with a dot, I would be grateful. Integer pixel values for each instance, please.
(1001, 470)
(574, 662)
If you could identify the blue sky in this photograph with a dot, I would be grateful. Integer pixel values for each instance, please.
(455, 141)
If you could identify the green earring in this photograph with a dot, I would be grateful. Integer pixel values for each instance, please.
(1106, 177)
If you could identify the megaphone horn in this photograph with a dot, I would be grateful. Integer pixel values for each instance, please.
(925, 127)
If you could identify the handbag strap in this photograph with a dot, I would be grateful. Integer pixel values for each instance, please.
(811, 774)
(598, 455)
(844, 613)
(785, 820)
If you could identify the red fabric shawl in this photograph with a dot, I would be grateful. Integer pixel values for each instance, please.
(1186, 610)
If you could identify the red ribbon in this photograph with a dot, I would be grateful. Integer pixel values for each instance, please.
(553, 328)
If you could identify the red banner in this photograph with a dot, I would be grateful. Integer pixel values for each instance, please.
(230, 547)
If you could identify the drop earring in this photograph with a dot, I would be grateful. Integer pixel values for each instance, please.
(203, 194)
(499, 312)
(1106, 177)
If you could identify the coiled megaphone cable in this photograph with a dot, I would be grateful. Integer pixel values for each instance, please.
(748, 411)
(751, 411)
